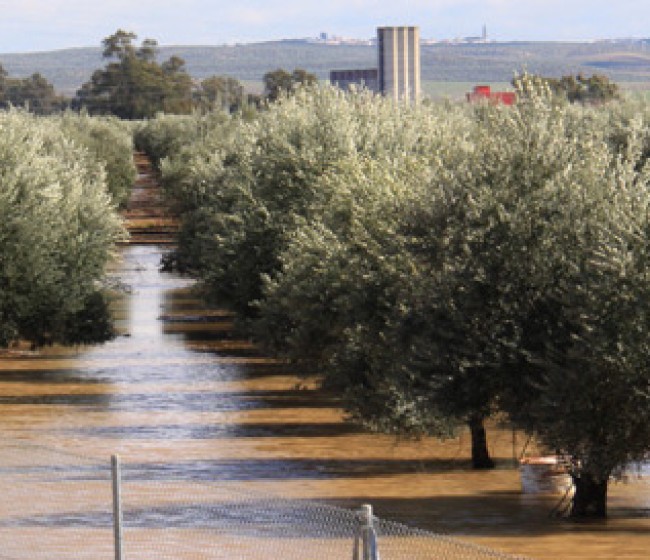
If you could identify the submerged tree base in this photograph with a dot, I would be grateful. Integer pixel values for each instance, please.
(480, 454)
(590, 498)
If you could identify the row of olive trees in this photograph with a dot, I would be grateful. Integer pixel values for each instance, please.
(110, 142)
(58, 226)
(438, 263)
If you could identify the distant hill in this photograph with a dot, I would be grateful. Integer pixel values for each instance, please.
(441, 63)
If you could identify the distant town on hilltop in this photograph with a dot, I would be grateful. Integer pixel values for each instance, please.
(326, 38)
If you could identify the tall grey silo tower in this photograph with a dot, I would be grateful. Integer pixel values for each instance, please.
(399, 62)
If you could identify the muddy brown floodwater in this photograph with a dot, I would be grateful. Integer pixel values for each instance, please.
(176, 385)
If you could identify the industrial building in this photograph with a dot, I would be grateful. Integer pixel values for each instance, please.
(366, 78)
(398, 72)
(399, 62)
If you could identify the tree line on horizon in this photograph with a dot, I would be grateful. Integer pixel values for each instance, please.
(134, 85)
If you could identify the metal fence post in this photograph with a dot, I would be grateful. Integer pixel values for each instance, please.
(366, 537)
(117, 505)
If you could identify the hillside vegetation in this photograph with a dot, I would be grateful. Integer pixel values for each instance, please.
(492, 62)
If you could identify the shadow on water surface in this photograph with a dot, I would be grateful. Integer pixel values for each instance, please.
(285, 469)
(496, 513)
(134, 375)
(216, 470)
(247, 515)
(219, 431)
(199, 401)
(49, 377)
(251, 518)
(275, 518)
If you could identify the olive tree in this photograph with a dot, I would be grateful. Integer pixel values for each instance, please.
(338, 296)
(219, 93)
(344, 296)
(57, 231)
(279, 82)
(249, 190)
(553, 269)
(594, 89)
(110, 142)
(525, 287)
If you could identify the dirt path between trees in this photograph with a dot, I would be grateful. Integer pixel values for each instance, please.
(148, 217)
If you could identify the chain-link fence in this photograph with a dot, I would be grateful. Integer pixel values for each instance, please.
(60, 506)
(53, 504)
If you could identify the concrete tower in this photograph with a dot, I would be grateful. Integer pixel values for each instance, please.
(399, 62)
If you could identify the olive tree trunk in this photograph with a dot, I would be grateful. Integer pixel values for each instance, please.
(590, 498)
(480, 455)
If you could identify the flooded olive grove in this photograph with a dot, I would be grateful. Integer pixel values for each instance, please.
(332, 299)
(177, 392)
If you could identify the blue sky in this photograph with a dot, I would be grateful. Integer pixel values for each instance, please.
(36, 25)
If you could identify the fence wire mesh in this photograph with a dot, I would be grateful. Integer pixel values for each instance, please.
(54, 504)
(59, 506)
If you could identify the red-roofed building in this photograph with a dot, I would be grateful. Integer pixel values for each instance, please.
(481, 93)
